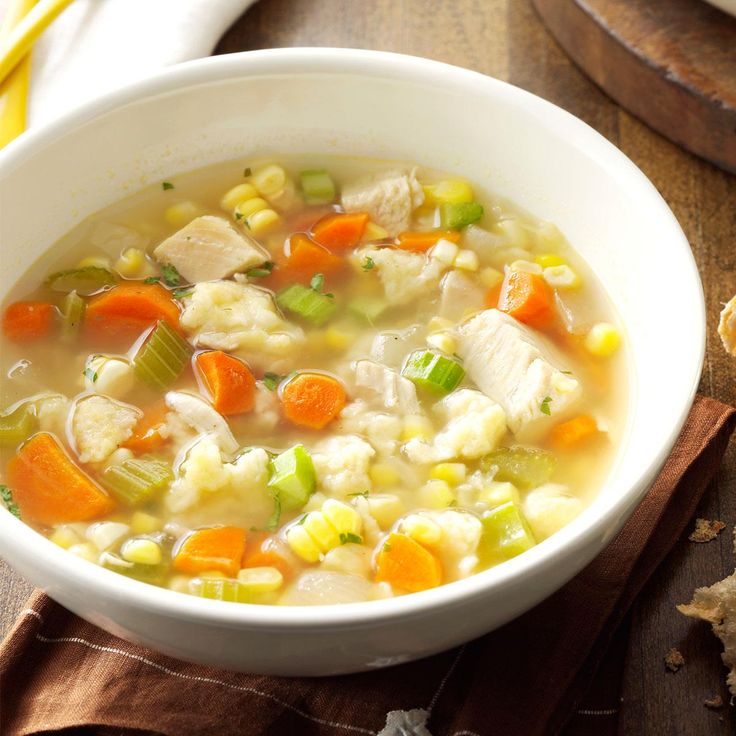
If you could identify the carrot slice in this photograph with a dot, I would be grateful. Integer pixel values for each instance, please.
(407, 565)
(215, 548)
(28, 321)
(147, 435)
(261, 551)
(313, 399)
(127, 310)
(229, 381)
(49, 488)
(421, 242)
(341, 231)
(573, 433)
(305, 259)
(527, 297)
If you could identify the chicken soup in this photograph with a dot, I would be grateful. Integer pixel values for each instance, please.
(307, 380)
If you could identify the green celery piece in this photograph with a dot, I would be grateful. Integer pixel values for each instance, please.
(153, 574)
(317, 186)
(505, 533)
(525, 467)
(162, 357)
(293, 477)
(85, 280)
(432, 371)
(220, 589)
(17, 425)
(136, 481)
(306, 303)
(369, 308)
(72, 311)
(460, 214)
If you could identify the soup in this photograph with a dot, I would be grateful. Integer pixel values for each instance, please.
(307, 380)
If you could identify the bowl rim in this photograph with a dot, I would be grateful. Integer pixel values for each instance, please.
(543, 557)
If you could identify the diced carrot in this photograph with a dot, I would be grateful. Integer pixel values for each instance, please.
(407, 565)
(342, 231)
(49, 488)
(215, 548)
(527, 297)
(420, 242)
(313, 399)
(147, 435)
(574, 432)
(127, 310)
(229, 381)
(262, 551)
(28, 321)
(492, 295)
(305, 259)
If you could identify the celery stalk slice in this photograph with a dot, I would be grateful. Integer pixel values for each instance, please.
(220, 589)
(293, 477)
(162, 357)
(432, 371)
(72, 311)
(85, 280)
(317, 186)
(153, 574)
(306, 303)
(525, 467)
(136, 481)
(17, 425)
(505, 533)
(456, 215)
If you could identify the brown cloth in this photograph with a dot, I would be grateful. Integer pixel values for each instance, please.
(61, 674)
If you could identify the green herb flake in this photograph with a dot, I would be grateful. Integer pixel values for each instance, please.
(182, 293)
(167, 185)
(301, 520)
(261, 271)
(7, 497)
(152, 280)
(171, 275)
(386, 547)
(350, 538)
(91, 373)
(365, 494)
(247, 172)
(317, 282)
(368, 263)
(272, 380)
(567, 373)
(238, 215)
(544, 406)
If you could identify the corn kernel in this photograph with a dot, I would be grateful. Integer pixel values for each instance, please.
(238, 194)
(603, 340)
(65, 537)
(302, 543)
(287, 199)
(442, 341)
(315, 502)
(422, 529)
(385, 508)
(448, 191)
(324, 534)
(528, 266)
(179, 583)
(439, 323)
(182, 213)
(467, 260)
(269, 180)
(374, 232)
(261, 579)
(85, 550)
(94, 261)
(561, 277)
(445, 252)
(546, 260)
(515, 233)
(336, 339)
(436, 494)
(130, 263)
(345, 519)
(104, 534)
(142, 551)
(417, 427)
(143, 523)
(496, 493)
(261, 221)
(249, 207)
(489, 277)
(383, 474)
(452, 473)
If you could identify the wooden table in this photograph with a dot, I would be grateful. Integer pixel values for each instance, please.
(505, 39)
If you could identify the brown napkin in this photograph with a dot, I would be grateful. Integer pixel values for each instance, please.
(530, 677)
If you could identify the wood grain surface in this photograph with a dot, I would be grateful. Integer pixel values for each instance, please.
(670, 62)
(504, 38)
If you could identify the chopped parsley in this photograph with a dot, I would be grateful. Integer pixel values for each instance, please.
(386, 547)
(247, 172)
(261, 271)
(182, 293)
(368, 263)
(317, 282)
(167, 185)
(171, 275)
(7, 496)
(238, 215)
(301, 520)
(567, 373)
(350, 538)
(272, 380)
(365, 494)
(152, 280)
(544, 406)
(91, 373)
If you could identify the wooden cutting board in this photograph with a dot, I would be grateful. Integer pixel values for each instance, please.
(671, 63)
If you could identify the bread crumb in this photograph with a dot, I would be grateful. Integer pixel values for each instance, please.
(674, 660)
(715, 702)
(727, 326)
(706, 530)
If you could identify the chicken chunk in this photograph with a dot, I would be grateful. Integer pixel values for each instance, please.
(727, 326)
(389, 198)
(506, 362)
(202, 418)
(377, 383)
(100, 425)
(209, 248)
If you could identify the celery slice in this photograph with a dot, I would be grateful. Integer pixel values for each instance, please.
(505, 533)
(306, 303)
(293, 477)
(455, 215)
(220, 589)
(432, 371)
(17, 425)
(162, 357)
(317, 186)
(85, 280)
(525, 467)
(72, 312)
(153, 574)
(136, 481)
(369, 308)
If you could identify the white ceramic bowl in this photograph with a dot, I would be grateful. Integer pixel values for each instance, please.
(391, 106)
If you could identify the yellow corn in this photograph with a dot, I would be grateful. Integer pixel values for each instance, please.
(345, 519)
(240, 193)
(321, 531)
(325, 535)
(269, 180)
(374, 232)
(495, 493)
(302, 543)
(603, 340)
(182, 213)
(422, 529)
(287, 198)
(442, 341)
(143, 523)
(65, 537)
(249, 207)
(96, 261)
(436, 494)
(452, 473)
(262, 220)
(439, 323)
(133, 264)
(489, 277)
(417, 427)
(142, 551)
(549, 259)
(561, 277)
(467, 260)
(383, 474)
(385, 508)
(261, 579)
(85, 550)
(448, 191)
(337, 339)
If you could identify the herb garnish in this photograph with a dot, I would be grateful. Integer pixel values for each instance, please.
(317, 284)
(90, 373)
(567, 373)
(301, 520)
(152, 280)
(238, 215)
(368, 263)
(349, 537)
(365, 494)
(167, 185)
(7, 496)
(182, 293)
(247, 171)
(544, 406)
(386, 547)
(272, 380)
(261, 271)
(171, 275)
